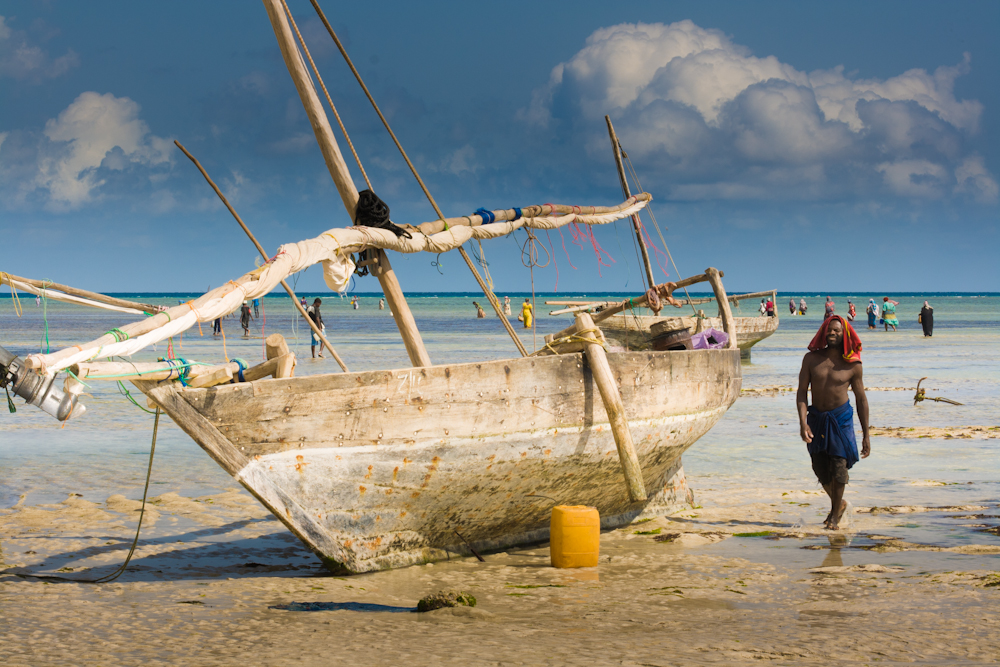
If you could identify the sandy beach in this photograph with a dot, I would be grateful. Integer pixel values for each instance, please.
(745, 574)
(733, 582)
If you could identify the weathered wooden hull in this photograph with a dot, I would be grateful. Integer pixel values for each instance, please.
(389, 468)
(634, 331)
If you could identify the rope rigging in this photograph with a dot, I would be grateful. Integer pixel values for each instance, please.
(635, 177)
(487, 291)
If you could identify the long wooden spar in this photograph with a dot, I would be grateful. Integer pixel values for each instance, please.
(342, 178)
(627, 192)
(44, 285)
(260, 249)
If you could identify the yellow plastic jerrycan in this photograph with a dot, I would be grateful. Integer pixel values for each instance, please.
(575, 539)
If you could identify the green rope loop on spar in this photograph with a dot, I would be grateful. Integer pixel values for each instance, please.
(120, 336)
(73, 375)
(123, 390)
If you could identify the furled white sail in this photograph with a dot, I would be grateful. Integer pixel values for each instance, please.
(332, 248)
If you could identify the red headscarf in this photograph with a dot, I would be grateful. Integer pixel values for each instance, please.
(852, 343)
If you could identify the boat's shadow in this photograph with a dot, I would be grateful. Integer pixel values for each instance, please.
(202, 553)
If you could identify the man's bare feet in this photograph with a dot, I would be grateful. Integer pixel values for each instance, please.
(834, 524)
(320, 355)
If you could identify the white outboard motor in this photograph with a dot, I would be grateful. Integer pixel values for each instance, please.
(38, 390)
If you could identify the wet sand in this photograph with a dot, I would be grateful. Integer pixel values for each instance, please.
(745, 577)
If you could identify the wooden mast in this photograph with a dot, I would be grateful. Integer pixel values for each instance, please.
(625, 190)
(342, 178)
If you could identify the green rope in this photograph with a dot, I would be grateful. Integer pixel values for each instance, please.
(10, 401)
(45, 344)
(120, 336)
(73, 375)
(186, 364)
(108, 578)
(123, 390)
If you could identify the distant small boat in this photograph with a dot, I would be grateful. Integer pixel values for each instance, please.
(634, 332)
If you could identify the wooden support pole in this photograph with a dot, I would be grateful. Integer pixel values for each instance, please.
(404, 318)
(636, 224)
(342, 177)
(260, 249)
(607, 386)
(81, 293)
(275, 346)
(222, 375)
(728, 323)
(461, 251)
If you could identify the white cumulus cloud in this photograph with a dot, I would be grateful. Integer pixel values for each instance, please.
(94, 133)
(717, 121)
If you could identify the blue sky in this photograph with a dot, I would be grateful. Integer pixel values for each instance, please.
(828, 146)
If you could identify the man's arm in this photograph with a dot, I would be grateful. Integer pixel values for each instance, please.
(858, 385)
(802, 402)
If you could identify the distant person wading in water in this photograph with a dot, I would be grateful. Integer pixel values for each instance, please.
(480, 313)
(526, 314)
(802, 306)
(791, 306)
(927, 319)
(245, 316)
(830, 306)
(889, 313)
(833, 364)
(873, 313)
(315, 316)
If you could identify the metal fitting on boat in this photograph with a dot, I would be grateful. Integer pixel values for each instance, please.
(38, 390)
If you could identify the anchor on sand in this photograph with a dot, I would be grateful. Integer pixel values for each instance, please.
(922, 396)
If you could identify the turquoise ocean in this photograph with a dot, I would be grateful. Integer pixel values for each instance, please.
(751, 455)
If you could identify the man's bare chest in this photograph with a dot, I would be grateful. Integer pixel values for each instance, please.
(831, 374)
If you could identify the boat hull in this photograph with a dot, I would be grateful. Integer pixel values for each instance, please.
(633, 331)
(390, 468)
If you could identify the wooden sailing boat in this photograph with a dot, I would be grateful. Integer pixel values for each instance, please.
(638, 332)
(388, 468)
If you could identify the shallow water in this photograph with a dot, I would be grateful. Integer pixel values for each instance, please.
(752, 455)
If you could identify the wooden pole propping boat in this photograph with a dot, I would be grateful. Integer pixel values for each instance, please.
(728, 324)
(613, 405)
(342, 178)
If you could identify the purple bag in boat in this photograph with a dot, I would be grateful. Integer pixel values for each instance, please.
(709, 339)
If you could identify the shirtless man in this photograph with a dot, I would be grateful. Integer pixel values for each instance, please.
(827, 426)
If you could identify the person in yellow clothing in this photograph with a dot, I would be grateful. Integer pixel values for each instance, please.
(526, 313)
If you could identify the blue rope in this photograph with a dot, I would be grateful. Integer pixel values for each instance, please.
(517, 214)
(181, 366)
(487, 216)
(243, 366)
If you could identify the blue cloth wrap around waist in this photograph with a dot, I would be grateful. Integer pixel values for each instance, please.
(833, 432)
